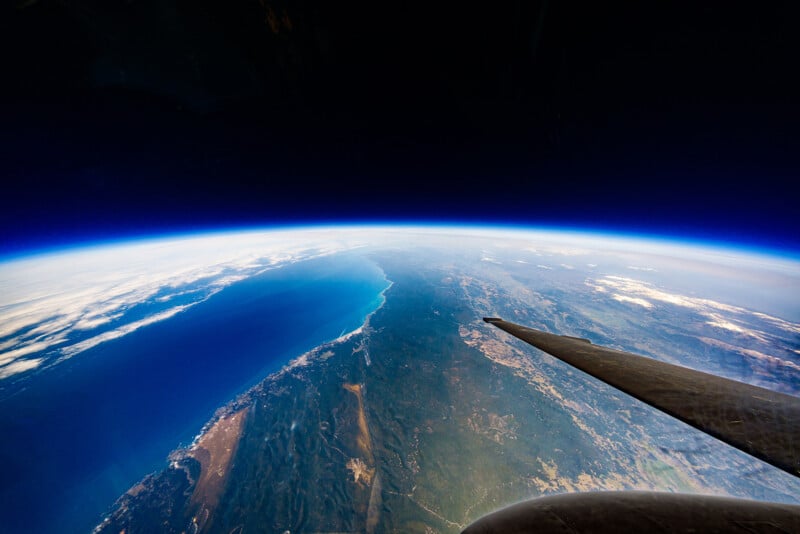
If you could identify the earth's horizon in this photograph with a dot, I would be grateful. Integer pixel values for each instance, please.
(343, 379)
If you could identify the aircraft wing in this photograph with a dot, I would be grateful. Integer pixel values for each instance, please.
(758, 421)
(612, 512)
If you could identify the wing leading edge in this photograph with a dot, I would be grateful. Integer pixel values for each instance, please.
(758, 421)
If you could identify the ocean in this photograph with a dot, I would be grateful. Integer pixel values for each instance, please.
(82, 433)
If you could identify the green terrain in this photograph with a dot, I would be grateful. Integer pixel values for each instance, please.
(422, 422)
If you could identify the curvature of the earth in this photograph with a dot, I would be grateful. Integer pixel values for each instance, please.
(425, 418)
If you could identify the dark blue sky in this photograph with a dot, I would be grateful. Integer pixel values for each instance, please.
(130, 118)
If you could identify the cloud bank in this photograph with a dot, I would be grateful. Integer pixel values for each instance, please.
(53, 307)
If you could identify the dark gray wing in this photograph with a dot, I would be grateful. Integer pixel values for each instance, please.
(755, 420)
(639, 511)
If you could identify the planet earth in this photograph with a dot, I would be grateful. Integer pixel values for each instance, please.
(341, 379)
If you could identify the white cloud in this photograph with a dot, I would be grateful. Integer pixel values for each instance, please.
(638, 292)
(19, 367)
(545, 267)
(86, 344)
(718, 321)
(645, 290)
(633, 300)
(11, 355)
(780, 323)
(751, 353)
(46, 299)
(90, 323)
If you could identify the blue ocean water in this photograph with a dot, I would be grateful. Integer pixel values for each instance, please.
(83, 432)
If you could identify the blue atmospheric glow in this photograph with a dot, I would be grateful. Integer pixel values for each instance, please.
(757, 246)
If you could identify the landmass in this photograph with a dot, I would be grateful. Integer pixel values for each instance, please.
(422, 421)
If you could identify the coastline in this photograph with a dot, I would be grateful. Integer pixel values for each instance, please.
(240, 407)
(307, 358)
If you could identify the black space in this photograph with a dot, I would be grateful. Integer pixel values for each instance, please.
(144, 116)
